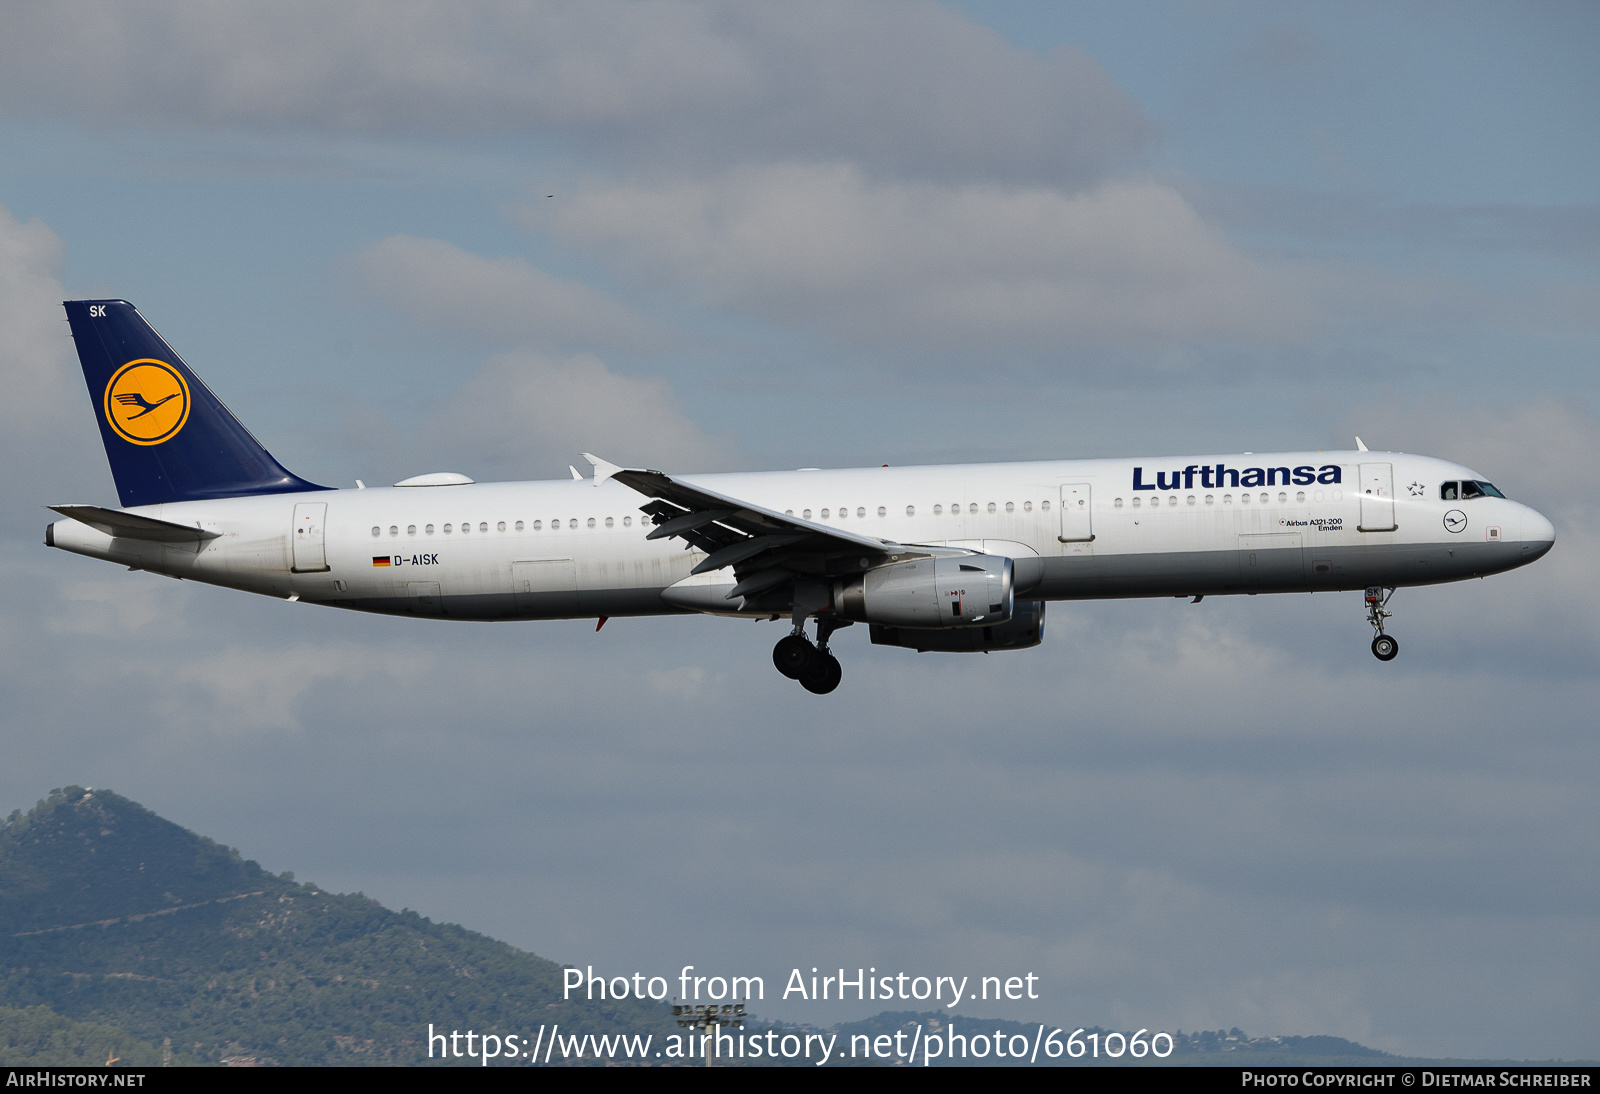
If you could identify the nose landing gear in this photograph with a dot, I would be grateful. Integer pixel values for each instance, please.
(1384, 647)
(818, 671)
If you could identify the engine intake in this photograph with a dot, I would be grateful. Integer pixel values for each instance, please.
(947, 591)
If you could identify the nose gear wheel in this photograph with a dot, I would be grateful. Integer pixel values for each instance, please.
(1384, 647)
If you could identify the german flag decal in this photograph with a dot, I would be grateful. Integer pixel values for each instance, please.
(380, 560)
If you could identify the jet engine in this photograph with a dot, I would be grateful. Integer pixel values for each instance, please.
(945, 591)
(1023, 630)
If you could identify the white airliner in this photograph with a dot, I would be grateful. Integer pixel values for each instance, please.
(956, 558)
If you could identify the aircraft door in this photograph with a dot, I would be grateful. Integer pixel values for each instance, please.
(546, 587)
(310, 550)
(1377, 498)
(1274, 560)
(424, 596)
(1077, 513)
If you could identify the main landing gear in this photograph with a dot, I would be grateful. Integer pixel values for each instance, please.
(1384, 647)
(818, 671)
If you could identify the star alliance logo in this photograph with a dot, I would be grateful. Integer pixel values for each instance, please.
(1415, 489)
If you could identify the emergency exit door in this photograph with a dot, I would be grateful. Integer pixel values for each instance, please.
(1077, 513)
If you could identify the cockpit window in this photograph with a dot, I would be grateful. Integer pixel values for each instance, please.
(1461, 491)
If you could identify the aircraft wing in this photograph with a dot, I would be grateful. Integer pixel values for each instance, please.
(764, 547)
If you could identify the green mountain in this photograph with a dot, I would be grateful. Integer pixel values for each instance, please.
(111, 915)
(123, 935)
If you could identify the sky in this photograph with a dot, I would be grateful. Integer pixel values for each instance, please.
(408, 237)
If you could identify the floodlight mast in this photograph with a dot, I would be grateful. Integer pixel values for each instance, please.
(708, 1017)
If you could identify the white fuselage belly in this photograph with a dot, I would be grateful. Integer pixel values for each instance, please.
(581, 550)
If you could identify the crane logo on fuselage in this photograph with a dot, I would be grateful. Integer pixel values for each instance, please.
(147, 402)
(1220, 476)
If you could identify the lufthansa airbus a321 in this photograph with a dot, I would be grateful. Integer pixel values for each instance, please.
(956, 559)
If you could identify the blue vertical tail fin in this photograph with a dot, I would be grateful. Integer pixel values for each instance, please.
(167, 437)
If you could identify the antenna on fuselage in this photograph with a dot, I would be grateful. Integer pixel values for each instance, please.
(1361, 446)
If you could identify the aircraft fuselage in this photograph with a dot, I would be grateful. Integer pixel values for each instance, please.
(569, 548)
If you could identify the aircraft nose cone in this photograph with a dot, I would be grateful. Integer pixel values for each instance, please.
(1538, 535)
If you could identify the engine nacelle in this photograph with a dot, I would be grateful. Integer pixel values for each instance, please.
(1024, 629)
(946, 591)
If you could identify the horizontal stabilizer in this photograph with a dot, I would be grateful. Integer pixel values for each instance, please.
(114, 522)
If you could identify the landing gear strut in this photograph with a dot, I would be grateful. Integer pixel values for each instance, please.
(818, 671)
(1384, 647)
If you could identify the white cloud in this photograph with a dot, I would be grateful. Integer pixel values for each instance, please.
(47, 433)
(1542, 453)
(897, 85)
(255, 688)
(37, 367)
(438, 284)
(530, 414)
(994, 269)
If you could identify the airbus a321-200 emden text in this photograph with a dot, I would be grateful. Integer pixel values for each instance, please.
(960, 558)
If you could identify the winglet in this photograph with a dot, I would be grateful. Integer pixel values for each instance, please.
(603, 470)
(1361, 445)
